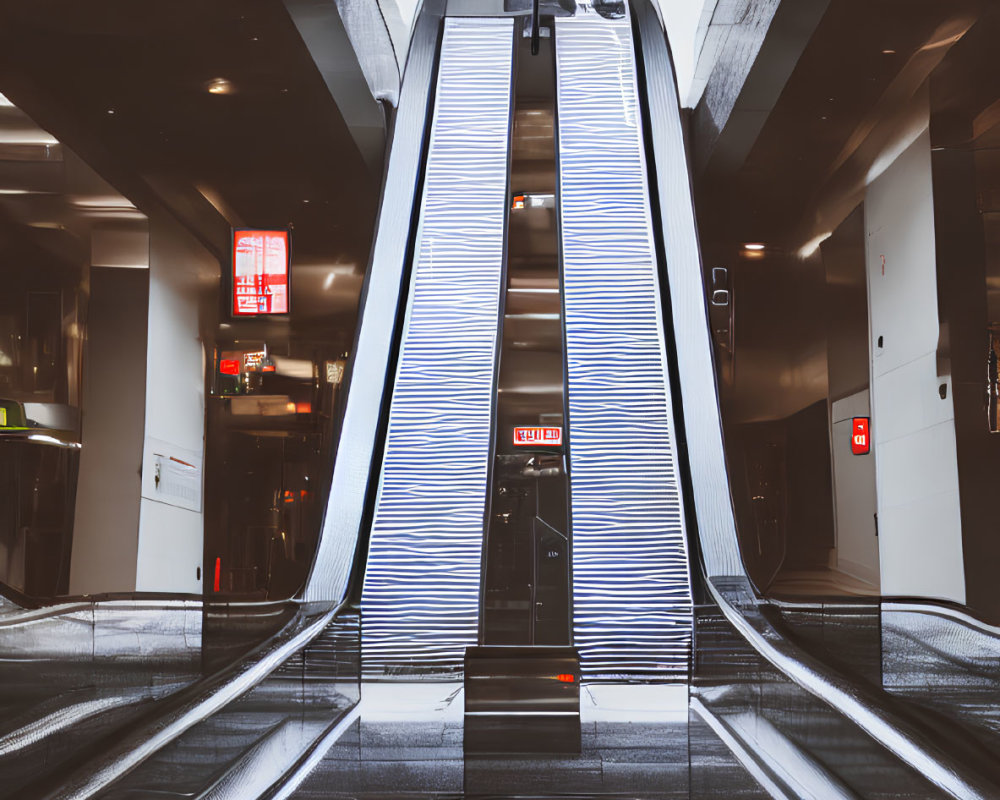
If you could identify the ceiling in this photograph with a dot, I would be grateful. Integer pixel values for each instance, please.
(213, 112)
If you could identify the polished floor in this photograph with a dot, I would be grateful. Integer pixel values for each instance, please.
(637, 741)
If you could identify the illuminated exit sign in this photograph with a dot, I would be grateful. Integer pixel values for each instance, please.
(860, 436)
(550, 437)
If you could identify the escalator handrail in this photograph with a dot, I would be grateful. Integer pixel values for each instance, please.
(180, 712)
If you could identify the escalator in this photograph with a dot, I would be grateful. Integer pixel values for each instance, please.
(530, 447)
(529, 490)
(530, 565)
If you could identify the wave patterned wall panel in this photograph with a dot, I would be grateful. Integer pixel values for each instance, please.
(631, 586)
(420, 602)
(331, 571)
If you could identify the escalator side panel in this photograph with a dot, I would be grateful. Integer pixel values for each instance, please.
(689, 306)
(338, 540)
(631, 586)
(420, 602)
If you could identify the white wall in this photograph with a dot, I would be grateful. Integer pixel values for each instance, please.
(854, 493)
(913, 429)
(171, 525)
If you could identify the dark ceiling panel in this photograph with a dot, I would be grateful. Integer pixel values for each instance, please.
(126, 85)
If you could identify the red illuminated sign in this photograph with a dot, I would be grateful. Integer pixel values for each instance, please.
(229, 366)
(551, 437)
(860, 438)
(260, 272)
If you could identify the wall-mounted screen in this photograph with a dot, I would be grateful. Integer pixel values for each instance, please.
(260, 272)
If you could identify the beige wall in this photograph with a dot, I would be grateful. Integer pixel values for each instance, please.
(105, 532)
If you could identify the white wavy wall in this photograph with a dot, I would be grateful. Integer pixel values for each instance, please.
(420, 602)
(631, 589)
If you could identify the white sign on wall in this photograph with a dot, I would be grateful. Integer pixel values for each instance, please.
(172, 475)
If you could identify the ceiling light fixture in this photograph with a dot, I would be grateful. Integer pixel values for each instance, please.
(753, 246)
(219, 86)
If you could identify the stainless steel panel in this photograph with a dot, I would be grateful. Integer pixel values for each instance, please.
(522, 700)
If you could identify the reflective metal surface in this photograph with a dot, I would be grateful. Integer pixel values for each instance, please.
(88, 689)
(257, 740)
(522, 700)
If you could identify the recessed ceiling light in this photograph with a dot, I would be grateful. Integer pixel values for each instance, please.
(888, 52)
(219, 86)
(111, 111)
(753, 246)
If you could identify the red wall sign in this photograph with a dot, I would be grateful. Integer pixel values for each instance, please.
(551, 437)
(860, 438)
(260, 272)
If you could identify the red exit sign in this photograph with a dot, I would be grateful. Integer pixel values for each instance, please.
(860, 436)
(550, 437)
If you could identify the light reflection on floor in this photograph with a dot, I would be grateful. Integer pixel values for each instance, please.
(638, 741)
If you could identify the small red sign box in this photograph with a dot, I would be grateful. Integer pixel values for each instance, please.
(260, 272)
(860, 436)
(548, 437)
